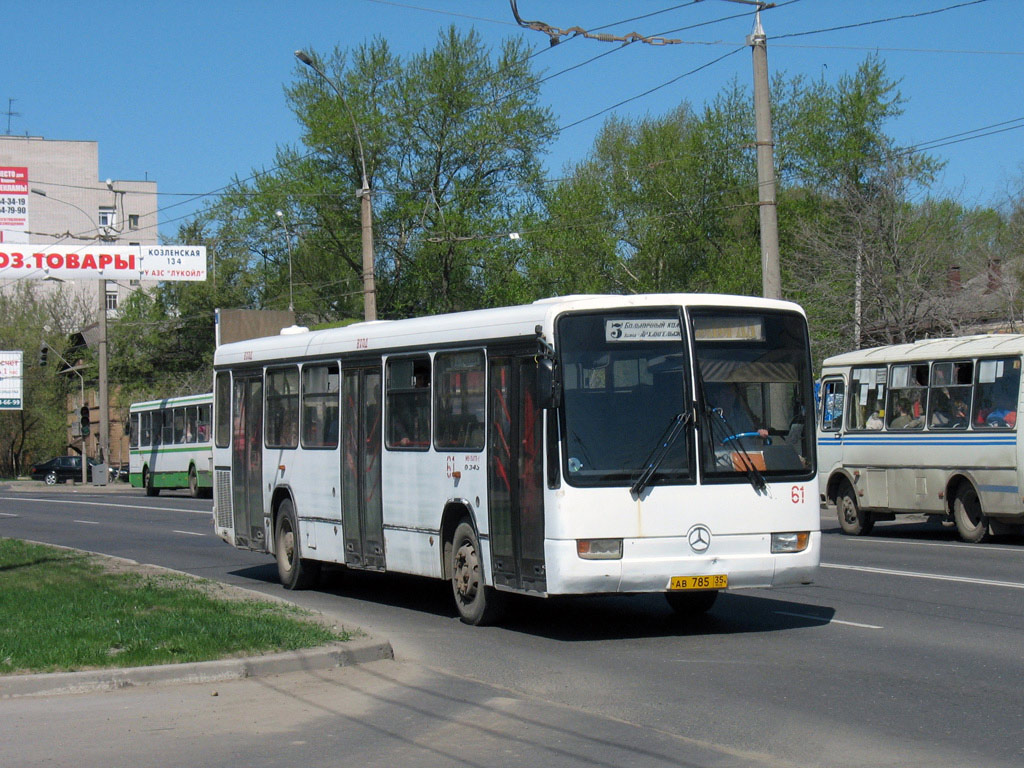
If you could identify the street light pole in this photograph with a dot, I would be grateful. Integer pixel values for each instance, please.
(364, 194)
(103, 438)
(771, 276)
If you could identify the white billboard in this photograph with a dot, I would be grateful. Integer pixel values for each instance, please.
(10, 381)
(13, 204)
(96, 261)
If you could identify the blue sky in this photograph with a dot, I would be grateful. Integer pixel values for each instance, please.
(191, 94)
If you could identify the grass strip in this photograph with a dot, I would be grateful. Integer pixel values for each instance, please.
(66, 610)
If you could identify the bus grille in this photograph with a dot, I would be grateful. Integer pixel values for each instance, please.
(222, 483)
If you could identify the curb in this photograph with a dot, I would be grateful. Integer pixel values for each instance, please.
(361, 651)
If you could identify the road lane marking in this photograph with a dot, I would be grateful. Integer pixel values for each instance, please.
(189, 533)
(106, 504)
(7, 514)
(919, 575)
(829, 621)
(86, 522)
(954, 544)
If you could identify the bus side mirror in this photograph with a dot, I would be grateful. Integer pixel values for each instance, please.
(549, 388)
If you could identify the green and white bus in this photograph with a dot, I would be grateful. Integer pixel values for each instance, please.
(171, 444)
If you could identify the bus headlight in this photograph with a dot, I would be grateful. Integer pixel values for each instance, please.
(599, 549)
(790, 542)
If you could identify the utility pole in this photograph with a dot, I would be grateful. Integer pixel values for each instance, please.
(365, 203)
(771, 277)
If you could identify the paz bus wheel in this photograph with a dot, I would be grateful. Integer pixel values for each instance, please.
(147, 483)
(193, 483)
(477, 603)
(294, 572)
(852, 519)
(971, 522)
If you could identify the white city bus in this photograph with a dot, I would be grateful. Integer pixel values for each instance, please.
(926, 428)
(171, 444)
(570, 446)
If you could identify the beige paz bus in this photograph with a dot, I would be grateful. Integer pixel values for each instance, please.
(926, 428)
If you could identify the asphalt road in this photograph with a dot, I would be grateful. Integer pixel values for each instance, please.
(906, 651)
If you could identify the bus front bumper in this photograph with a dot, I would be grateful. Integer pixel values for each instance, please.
(648, 565)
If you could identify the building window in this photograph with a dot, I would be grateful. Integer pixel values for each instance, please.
(108, 216)
(133, 221)
(111, 302)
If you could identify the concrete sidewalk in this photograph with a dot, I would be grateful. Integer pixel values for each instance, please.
(38, 486)
(357, 651)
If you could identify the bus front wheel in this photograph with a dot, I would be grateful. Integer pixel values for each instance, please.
(294, 572)
(691, 603)
(193, 483)
(971, 522)
(147, 483)
(852, 519)
(477, 603)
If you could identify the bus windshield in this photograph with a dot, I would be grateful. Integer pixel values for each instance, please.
(754, 375)
(623, 379)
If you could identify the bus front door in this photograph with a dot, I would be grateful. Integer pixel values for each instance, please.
(515, 476)
(247, 462)
(361, 510)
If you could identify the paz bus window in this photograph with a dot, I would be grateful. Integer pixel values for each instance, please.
(996, 391)
(867, 398)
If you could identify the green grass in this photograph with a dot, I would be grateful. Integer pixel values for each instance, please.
(64, 610)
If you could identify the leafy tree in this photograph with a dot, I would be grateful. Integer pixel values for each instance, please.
(28, 317)
(661, 204)
(451, 139)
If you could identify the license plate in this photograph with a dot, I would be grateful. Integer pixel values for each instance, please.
(715, 581)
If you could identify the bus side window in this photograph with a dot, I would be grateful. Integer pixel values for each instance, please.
(282, 422)
(867, 407)
(203, 424)
(459, 404)
(996, 393)
(408, 403)
(320, 406)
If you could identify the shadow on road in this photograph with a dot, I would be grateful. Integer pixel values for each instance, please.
(571, 619)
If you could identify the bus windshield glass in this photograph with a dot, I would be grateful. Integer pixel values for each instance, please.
(623, 380)
(754, 374)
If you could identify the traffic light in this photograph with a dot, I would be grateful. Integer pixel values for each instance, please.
(85, 420)
(43, 352)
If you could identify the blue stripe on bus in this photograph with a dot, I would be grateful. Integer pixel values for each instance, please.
(925, 440)
(999, 488)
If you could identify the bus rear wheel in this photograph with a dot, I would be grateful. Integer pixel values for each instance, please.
(147, 483)
(971, 522)
(852, 519)
(193, 483)
(477, 603)
(294, 571)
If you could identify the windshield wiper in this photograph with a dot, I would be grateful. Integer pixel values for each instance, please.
(753, 475)
(665, 443)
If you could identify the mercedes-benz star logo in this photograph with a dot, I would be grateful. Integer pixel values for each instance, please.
(699, 537)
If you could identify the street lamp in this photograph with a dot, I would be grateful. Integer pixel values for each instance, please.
(288, 239)
(103, 438)
(366, 207)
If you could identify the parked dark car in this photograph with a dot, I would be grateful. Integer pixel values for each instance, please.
(61, 469)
